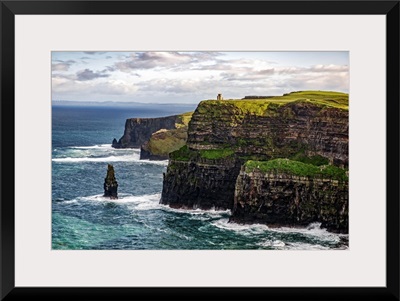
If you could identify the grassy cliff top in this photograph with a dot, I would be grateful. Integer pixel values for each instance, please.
(297, 168)
(183, 119)
(259, 106)
(164, 141)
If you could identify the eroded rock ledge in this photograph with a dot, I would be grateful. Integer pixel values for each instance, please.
(139, 130)
(156, 137)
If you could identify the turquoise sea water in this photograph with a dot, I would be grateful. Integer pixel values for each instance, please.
(83, 219)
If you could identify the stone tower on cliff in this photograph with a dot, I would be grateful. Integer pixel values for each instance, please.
(219, 97)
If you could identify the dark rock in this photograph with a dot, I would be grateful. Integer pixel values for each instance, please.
(146, 154)
(110, 183)
(204, 184)
(114, 143)
(282, 199)
(139, 130)
(283, 131)
(280, 133)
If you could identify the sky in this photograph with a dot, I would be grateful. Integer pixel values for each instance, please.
(189, 77)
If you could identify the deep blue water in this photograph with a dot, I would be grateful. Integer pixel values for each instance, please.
(83, 219)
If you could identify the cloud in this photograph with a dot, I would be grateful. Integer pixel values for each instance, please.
(170, 86)
(88, 89)
(331, 82)
(314, 69)
(59, 65)
(159, 60)
(188, 76)
(64, 76)
(94, 52)
(88, 74)
(246, 74)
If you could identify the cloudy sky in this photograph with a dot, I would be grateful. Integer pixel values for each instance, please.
(188, 77)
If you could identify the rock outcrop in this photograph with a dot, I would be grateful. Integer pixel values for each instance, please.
(310, 127)
(280, 197)
(200, 183)
(110, 183)
(163, 142)
(139, 130)
(271, 130)
(156, 137)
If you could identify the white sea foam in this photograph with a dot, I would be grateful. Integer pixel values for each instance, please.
(144, 202)
(197, 212)
(98, 146)
(153, 162)
(300, 246)
(313, 230)
(305, 246)
(125, 158)
(70, 202)
(272, 243)
(103, 153)
(97, 159)
(240, 228)
(140, 202)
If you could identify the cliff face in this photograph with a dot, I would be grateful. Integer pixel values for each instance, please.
(201, 183)
(139, 130)
(162, 142)
(283, 199)
(276, 131)
(224, 135)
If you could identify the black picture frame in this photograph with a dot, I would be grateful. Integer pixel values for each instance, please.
(9, 9)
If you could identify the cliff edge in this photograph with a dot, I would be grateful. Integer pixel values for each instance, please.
(156, 137)
(310, 127)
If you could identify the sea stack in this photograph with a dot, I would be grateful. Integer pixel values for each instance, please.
(110, 184)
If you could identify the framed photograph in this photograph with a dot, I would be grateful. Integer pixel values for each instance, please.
(198, 150)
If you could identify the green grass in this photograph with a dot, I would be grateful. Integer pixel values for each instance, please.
(213, 154)
(182, 154)
(297, 168)
(186, 154)
(164, 142)
(262, 107)
(313, 160)
(184, 120)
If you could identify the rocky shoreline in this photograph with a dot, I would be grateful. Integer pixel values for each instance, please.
(209, 171)
(280, 161)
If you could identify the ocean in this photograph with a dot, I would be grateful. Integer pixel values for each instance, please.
(82, 219)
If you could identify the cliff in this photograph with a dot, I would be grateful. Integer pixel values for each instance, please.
(156, 137)
(273, 128)
(194, 180)
(162, 142)
(310, 127)
(139, 130)
(289, 193)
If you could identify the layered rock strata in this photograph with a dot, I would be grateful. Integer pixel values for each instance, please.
(224, 135)
(156, 137)
(163, 142)
(139, 130)
(281, 198)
